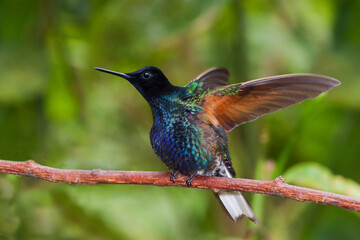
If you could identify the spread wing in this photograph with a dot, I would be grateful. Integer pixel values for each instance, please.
(236, 104)
(210, 79)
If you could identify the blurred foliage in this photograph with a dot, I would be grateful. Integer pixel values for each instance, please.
(55, 109)
(316, 176)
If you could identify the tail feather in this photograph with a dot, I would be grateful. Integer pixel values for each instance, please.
(236, 205)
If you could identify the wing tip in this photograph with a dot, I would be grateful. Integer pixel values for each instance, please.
(330, 80)
(304, 76)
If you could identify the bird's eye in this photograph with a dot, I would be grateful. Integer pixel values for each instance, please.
(146, 75)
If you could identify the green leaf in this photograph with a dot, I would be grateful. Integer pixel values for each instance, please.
(314, 175)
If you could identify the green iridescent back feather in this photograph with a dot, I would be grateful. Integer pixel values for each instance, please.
(230, 90)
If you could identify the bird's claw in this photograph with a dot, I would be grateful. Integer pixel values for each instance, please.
(189, 180)
(172, 177)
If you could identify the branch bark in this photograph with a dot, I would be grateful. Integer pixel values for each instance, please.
(277, 187)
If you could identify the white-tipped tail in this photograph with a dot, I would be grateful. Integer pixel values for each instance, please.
(236, 205)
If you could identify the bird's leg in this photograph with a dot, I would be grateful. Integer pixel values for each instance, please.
(189, 179)
(172, 176)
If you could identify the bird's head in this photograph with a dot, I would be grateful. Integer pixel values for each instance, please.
(149, 81)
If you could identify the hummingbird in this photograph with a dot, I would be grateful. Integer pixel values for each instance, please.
(191, 123)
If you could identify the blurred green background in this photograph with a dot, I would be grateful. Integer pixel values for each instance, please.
(58, 111)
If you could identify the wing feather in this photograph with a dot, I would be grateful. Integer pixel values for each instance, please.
(212, 78)
(236, 104)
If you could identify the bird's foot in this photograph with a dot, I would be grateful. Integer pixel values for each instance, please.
(189, 179)
(172, 177)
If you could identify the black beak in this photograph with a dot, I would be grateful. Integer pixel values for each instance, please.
(123, 75)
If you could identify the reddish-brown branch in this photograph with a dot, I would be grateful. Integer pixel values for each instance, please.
(278, 187)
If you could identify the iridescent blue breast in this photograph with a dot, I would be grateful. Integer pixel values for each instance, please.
(177, 138)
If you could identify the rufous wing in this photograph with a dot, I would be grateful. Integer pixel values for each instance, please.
(236, 104)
